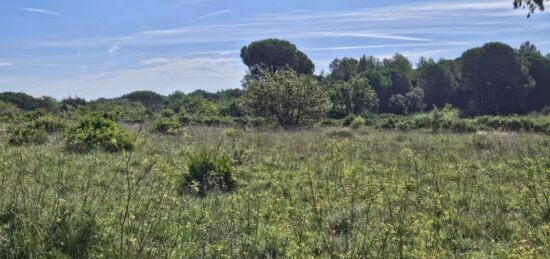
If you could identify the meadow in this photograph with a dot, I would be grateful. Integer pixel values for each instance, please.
(317, 192)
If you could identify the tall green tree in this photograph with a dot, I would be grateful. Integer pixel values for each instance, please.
(438, 84)
(290, 98)
(355, 96)
(493, 75)
(343, 69)
(273, 55)
(538, 68)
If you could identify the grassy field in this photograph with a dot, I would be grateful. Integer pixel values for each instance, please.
(301, 194)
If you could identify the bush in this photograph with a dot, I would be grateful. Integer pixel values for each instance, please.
(95, 130)
(388, 124)
(49, 124)
(358, 122)
(166, 126)
(8, 111)
(464, 126)
(208, 171)
(348, 120)
(329, 123)
(26, 134)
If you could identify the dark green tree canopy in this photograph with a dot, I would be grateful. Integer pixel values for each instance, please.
(147, 98)
(494, 76)
(531, 5)
(437, 82)
(273, 55)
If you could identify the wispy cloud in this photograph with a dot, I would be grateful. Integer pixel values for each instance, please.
(113, 50)
(183, 74)
(155, 61)
(414, 22)
(388, 46)
(208, 15)
(6, 64)
(40, 11)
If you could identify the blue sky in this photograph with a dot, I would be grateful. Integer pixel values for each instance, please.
(106, 48)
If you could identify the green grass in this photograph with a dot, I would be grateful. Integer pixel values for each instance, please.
(298, 194)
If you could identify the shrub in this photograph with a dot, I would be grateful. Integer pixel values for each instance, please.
(388, 124)
(348, 120)
(404, 125)
(95, 130)
(184, 119)
(208, 171)
(49, 124)
(26, 134)
(464, 126)
(166, 126)
(358, 122)
(8, 110)
(330, 123)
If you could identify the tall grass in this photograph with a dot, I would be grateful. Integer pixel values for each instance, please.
(299, 194)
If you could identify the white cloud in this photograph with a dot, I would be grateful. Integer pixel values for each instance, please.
(155, 61)
(210, 74)
(213, 14)
(113, 49)
(41, 11)
(6, 64)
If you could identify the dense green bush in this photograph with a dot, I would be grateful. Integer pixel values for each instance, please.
(33, 128)
(330, 123)
(8, 111)
(348, 119)
(49, 124)
(166, 126)
(358, 122)
(98, 130)
(26, 134)
(208, 171)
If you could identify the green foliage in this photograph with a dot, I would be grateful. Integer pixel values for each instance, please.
(26, 134)
(273, 55)
(494, 76)
(49, 123)
(33, 128)
(358, 122)
(167, 125)
(98, 131)
(8, 111)
(354, 96)
(291, 99)
(149, 99)
(28, 103)
(438, 83)
(208, 171)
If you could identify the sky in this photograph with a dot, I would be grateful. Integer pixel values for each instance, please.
(107, 48)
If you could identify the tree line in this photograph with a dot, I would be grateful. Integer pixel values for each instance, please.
(280, 85)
